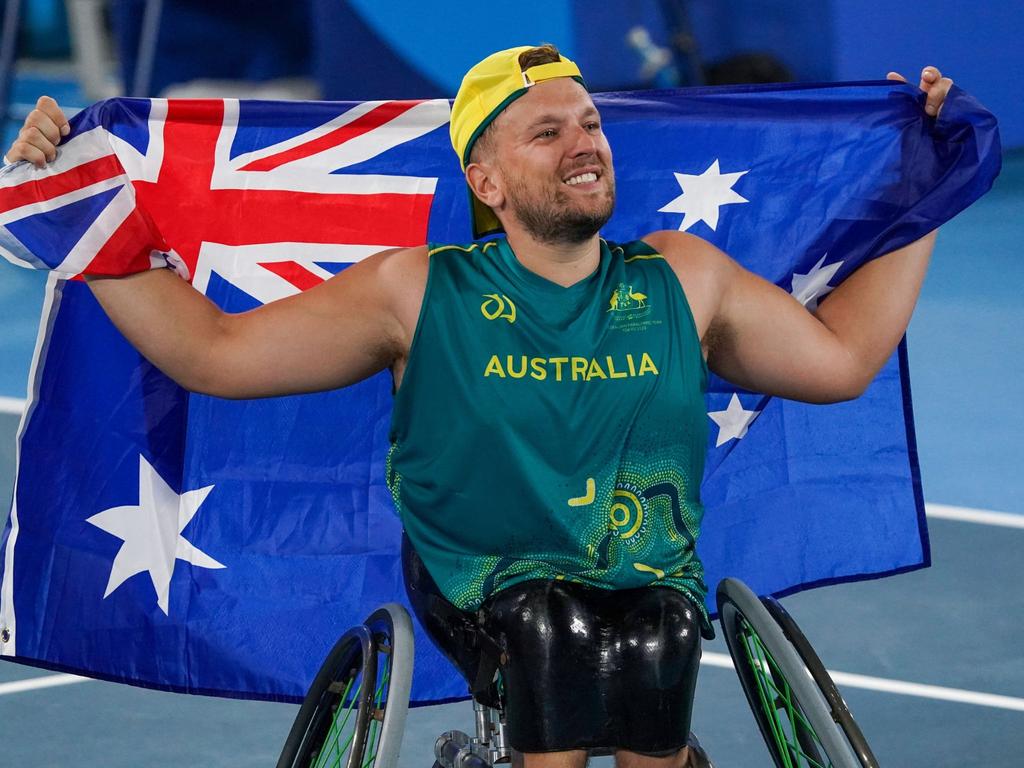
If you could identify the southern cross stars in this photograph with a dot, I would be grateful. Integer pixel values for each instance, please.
(808, 288)
(151, 532)
(703, 195)
(733, 422)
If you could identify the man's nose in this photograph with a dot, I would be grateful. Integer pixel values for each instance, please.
(584, 142)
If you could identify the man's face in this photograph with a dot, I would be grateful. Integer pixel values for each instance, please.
(554, 163)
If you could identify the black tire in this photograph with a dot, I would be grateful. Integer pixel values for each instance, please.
(780, 674)
(352, 662)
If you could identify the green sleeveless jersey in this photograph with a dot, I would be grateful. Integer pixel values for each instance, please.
(549, 432)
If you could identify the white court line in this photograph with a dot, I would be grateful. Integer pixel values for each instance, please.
(981, 516)
(901, 687)
(13, 405)
(35, 683)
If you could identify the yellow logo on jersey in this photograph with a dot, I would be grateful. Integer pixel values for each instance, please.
(630, 310)
(495, 306)
(625, 299)
(627, 511)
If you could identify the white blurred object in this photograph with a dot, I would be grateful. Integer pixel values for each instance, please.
(657, 64)
(91, 49)
(287, 88)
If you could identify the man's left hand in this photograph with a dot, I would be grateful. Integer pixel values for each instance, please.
(933, 84)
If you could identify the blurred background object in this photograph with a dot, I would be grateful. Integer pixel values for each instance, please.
(166, 42)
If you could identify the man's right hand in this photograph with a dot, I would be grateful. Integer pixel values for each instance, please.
(38, 138)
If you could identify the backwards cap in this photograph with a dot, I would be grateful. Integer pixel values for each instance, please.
(486, 90)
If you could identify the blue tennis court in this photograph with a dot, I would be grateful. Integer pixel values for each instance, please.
(931, 661)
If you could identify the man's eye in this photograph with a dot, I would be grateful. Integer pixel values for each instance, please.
(593, 126)
(547, 134)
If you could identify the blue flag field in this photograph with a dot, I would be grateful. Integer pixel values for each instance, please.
(187, 543)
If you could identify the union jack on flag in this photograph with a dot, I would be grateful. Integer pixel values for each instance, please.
(183, 542)
(206, 188)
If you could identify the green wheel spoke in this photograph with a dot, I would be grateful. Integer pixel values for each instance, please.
(787, 695)
(768, 695)
(379, 695)
(376, 728)
(350, 706)
(767, 706)
(354, 710)
(332, 753)
(775, 694)
(795, 703)
(372, 745)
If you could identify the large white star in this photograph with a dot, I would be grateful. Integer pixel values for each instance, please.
(703, 195)
(151, 533)
(810, 287)
(733, 422)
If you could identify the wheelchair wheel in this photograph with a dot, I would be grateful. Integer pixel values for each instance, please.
(354, 713)
(392, 632)
(802, 717)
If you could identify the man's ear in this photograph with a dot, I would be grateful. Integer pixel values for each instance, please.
(483, 181)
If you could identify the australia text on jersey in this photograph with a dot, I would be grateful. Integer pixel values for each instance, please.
(570, 367)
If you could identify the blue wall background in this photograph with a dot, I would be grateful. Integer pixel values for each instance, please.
(367, 49)
(978, 44)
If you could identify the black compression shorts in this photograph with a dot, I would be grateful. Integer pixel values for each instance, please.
(583, 667)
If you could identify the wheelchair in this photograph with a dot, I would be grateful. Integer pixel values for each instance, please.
(354, 713)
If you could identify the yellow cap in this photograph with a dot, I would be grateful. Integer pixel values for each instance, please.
(486, 90)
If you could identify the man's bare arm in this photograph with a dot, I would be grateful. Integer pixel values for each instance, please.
(761, 338)
(340, 332)
(335, 334)
(758, 336)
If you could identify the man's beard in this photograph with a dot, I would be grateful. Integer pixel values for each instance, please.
(552, 218)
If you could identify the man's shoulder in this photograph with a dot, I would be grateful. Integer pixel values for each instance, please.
(389, 280)
(672, 243)
(401, 265)
(703, 271)
(689, 256)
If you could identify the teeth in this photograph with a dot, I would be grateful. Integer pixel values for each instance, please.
(583, 178)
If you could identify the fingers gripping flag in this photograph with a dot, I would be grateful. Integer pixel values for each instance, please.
(182, 542)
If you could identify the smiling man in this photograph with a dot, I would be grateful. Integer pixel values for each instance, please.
(566, 497)
(549, 427)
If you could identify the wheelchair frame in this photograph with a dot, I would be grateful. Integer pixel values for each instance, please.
(777, 667)
(798, 708)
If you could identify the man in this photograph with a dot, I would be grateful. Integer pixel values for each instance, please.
(549, 428)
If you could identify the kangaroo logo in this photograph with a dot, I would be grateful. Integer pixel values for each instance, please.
(625, 299)
(498, 305)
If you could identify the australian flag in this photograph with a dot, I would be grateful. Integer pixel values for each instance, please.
(188, 543)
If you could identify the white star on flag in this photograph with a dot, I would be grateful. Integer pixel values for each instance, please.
(703, 195)
(151, 533)
(733, 422)
(807, 289)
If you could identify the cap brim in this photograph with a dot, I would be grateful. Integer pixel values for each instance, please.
(484, 220)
